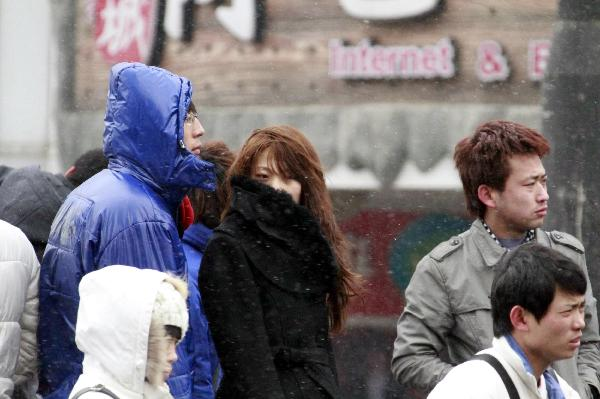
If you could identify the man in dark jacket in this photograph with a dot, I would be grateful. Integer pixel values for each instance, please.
(30, 197)
(125, 214)
(208, 207)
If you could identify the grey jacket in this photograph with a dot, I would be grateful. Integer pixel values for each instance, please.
(447, 314)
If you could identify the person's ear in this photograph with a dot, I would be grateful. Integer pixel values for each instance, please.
(520, 318)
(70, 171)
(486, 194)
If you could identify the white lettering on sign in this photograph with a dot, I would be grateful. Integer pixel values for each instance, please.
(366, 61)
(537, 58)
(387, 9)
(173, 22)
(124, 28)
(240, 18)
(492, 65)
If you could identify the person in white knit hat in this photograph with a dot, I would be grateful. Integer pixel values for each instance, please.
(128, 324)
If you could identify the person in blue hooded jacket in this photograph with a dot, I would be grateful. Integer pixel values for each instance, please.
(198, 345)
(125, 214)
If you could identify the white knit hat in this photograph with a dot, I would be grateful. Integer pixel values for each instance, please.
(170, 308)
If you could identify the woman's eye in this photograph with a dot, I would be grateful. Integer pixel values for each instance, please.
(262, 176)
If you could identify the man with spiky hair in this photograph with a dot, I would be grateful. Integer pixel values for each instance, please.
(447, 308)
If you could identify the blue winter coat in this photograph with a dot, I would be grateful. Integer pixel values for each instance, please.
(123, 215)
(198, 345)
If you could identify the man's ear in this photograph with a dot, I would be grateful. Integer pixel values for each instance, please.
(70, 170)
(519, 318)
(486, 195)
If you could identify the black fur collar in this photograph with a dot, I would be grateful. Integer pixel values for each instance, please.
(261, 203)
(275, 214)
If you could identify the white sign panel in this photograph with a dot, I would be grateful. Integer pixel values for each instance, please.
(240, 18)
(387, 9)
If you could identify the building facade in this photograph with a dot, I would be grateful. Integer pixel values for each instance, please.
(383, 88)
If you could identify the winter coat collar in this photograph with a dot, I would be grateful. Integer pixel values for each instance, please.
(508, 354)
(274, 211)
(491, 252)
(143, 135)
(197, 236)
(299, 259)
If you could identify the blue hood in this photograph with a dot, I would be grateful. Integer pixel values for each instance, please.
(143, 134)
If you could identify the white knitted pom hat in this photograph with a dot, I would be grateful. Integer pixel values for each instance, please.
(170, 308)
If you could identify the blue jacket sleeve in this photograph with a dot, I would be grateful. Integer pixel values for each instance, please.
(200, 346)
(203, 373)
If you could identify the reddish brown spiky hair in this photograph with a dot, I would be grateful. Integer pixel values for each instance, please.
(483, 157)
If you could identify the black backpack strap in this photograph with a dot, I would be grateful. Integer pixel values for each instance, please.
(508, 383)
(98, 388)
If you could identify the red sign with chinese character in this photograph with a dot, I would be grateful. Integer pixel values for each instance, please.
(125, 29)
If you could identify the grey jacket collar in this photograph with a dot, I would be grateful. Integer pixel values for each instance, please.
(490, 251)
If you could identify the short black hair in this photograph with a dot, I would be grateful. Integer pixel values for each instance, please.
(191, 108)
(173, 332)
(87, 165)
(529, 277)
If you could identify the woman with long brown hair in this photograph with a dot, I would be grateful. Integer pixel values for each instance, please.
(275, 278)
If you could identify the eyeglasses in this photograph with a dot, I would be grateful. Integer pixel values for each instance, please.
(189, 118)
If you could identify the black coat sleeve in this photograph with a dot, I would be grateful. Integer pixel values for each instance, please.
(233, 308)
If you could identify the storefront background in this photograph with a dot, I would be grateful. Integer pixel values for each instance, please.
(386, 142)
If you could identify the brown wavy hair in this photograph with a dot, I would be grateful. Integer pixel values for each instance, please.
(208, 206)
(295, 157)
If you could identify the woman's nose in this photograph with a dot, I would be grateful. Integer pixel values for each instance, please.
(278, 184)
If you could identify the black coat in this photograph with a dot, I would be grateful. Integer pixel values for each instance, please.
(264, 279)
(30, 199)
